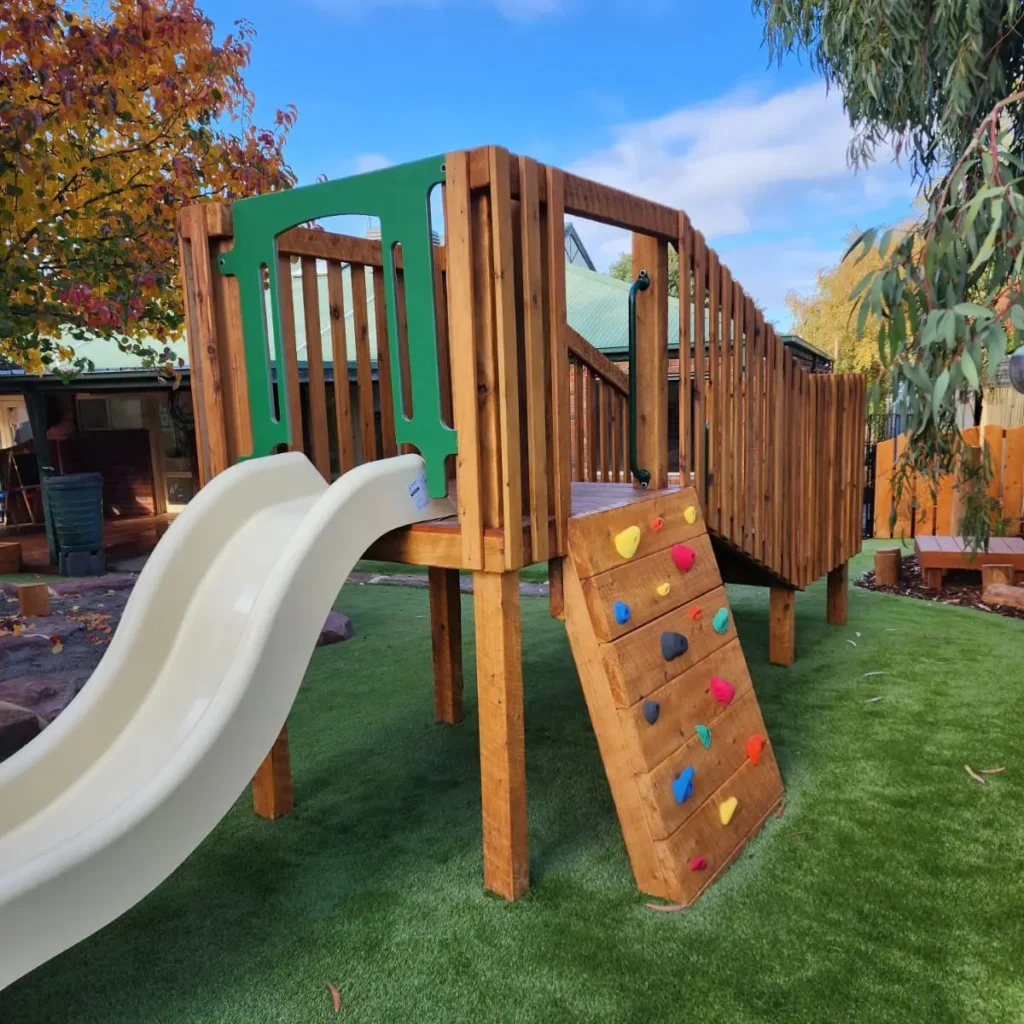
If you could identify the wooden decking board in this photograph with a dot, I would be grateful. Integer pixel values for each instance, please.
(952, 553)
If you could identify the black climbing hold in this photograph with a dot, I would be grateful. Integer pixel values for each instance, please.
(651, 710)
(672, 645)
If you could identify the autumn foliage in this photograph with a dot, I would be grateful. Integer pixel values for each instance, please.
(109, 124)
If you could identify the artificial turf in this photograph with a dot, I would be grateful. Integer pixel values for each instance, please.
(891, 889)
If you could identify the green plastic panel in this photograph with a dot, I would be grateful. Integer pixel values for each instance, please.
(400, 197)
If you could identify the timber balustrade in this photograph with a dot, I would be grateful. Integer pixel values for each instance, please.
(773, 451)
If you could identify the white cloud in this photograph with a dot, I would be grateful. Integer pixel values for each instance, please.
(366, 162)
(514, 10)
(746, 164)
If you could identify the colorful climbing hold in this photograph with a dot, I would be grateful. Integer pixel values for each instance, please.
(682, 785)
(755, 744)
(703, 734)
(727, 809)
(657, 523)
(720, 623)
(622, 612)
(694, 612)
(662, 589)
(698, 864)
(672, 645)
(684, 556)
(651, 711)
(628, 541)
(722, 690)
(690, 515)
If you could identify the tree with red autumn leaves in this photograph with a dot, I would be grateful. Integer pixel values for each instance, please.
(109, 124)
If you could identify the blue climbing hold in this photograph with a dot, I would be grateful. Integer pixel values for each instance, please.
(682, 785)
(720, 623)
(672, 645)
(703, 734)
(651, 711)
(622, 612)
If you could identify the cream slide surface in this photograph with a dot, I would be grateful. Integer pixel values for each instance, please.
(190, 695)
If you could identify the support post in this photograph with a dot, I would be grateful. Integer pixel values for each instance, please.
(835, 611)
(33, 600)
(446, 639)
(499, 680)
(272, 795)
(651, 254)
(782, 630)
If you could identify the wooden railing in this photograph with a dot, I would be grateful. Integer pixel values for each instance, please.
(599, 397)
(773, 451)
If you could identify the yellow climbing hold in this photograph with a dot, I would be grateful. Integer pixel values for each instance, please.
(690, 515)
(628, 541)
(727, 809)
(663, 589)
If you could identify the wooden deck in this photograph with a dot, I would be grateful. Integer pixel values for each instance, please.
(122, 538)
(937, 554)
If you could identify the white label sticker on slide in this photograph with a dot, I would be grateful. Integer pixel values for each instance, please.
(418, 493)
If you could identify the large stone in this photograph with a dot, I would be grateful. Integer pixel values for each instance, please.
(45, 696)
(17, 727)
(337, 627)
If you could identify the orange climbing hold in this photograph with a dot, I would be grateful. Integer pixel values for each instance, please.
(695, 612)
(657, 523)
(755, 745)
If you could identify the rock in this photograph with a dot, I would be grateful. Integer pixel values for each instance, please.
(16, 642)
(45, 696)
(17, 727)
(337, 627)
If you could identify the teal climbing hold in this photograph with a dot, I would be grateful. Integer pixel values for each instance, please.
(720, 623)
(682, 785)
(672, 645)
(622, 612)
(703, 734)
(651, 711)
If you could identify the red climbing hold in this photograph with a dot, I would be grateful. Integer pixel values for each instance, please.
(721, 690)
(684, 556)
(657, 523)
(698, 864)
(694, 612)
(755, 745)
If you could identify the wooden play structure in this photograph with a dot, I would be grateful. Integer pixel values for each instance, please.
(474, 361)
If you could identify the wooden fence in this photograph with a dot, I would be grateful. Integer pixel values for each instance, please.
(918, 513)
(775, 452)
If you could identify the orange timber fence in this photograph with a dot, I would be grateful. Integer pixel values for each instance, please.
(773, 451)
(919, 514)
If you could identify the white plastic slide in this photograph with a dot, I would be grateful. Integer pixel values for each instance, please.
(190, 695)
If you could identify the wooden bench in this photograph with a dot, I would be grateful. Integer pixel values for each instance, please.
(937, 554)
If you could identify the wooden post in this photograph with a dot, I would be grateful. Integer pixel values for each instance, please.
(933, 578)
(782, 625)
(556, 590)
(651, 254)
(33, 600)
(10, 557)
(272, 794)
(888, 566)
(1003, 574)
(446, 638)
(499, 680)
(835, 611)
(151, 411)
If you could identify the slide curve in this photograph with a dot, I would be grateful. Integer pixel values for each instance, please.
(190, 695)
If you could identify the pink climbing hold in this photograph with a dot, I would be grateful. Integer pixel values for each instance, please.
(721, 690)
(684, 556)
(755, 744)
(698, 864)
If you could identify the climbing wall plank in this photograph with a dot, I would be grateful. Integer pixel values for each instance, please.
(668, 779)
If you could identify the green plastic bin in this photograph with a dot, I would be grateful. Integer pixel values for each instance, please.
(75, 501)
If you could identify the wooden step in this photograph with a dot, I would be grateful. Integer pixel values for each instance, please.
(621, 667)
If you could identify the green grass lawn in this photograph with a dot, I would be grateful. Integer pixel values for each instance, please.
(891, 890)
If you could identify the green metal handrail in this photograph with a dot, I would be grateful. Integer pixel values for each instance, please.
(641, 284)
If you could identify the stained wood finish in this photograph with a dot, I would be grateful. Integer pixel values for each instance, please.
(446, 642)
(888, 562)
(782, 626)
(33, 600)
(838, 589)
(643, 759)
(272, 793)
(499, 680)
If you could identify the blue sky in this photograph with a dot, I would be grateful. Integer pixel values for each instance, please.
(674, 101)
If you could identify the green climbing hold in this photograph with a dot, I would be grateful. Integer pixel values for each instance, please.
(720, 623)
(703, 734)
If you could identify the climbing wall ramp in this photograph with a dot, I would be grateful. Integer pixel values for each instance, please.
(685, 749)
